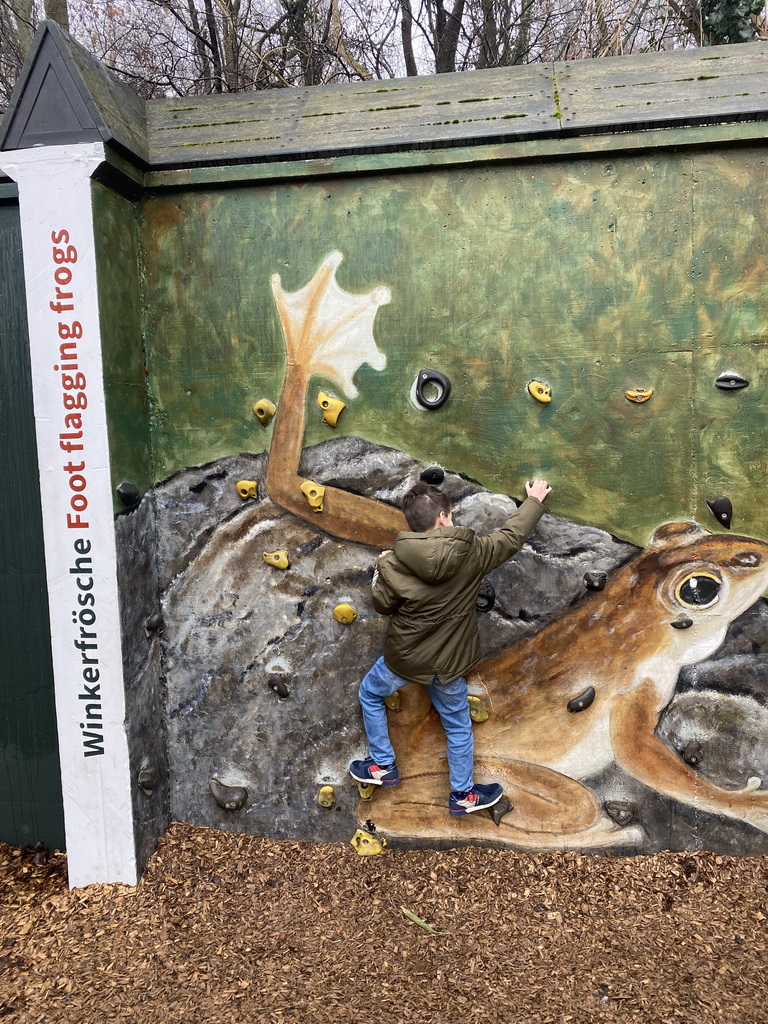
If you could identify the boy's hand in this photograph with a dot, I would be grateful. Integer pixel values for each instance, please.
(537, 489)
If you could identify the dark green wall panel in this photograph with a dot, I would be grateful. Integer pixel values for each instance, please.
(30, 785)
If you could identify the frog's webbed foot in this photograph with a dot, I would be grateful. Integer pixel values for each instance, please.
(329, 331)
(418, 809)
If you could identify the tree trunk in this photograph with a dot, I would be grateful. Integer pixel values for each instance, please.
(406, 32)
(58, 11)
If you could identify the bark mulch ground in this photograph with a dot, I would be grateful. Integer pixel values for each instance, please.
(230, 928)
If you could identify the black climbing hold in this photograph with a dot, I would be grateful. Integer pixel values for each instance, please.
(230, 798)
(621, 811)
(154, 623)
(583, 701)
(433, 475)
(370, 827)
(731, 382)
(197, 488)
(681, 622)
(279, 687)
(147, 779)
(486, 597)
(439, 382)
(692, 753)
(595, 579)
(129, 494)
(722, 510)
(500, 808)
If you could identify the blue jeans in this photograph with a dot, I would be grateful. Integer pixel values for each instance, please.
(450, 702)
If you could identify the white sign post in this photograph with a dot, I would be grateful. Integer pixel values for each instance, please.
(57, 233)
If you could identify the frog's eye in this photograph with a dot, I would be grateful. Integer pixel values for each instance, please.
(698, 590)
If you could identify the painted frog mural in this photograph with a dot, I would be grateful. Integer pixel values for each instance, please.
(586, 691)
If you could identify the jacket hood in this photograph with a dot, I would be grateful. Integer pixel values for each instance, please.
(434, 556)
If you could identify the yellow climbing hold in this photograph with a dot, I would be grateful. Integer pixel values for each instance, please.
(638, 394)
(247, 489)
(478, 712)
(394, 701)
(540, 391)
(345, 614)
(314, 493)
(331, 408)
(277, 558)
(365, 789)
(326, 797)
(264, 410)
(367, 844)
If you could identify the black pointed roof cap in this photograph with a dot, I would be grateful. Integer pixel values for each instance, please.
(65, 95)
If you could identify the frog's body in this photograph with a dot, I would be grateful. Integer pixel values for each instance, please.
(621, 642)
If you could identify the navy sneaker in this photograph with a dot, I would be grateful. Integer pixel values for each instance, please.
(475, 799)
(369, 772)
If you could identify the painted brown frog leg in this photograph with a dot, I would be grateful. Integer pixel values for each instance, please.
(639, 751)
(329, 332)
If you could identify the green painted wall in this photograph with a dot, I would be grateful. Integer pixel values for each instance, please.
(125, 387)
(594, 274)
(31, 808)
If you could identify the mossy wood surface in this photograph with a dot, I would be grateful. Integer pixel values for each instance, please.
(711, 85)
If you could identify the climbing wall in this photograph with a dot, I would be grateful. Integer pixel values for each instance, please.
(597, 322)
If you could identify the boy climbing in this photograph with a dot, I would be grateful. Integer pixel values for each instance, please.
(429, 585)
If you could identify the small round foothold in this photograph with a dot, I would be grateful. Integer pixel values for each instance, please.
(229, 798)
(583, 701)
(345, 614)
(731, 382)
(692, 753)
(129, 494)
(722, 510)
(279, 687)
(621, 811)
(540, 391)
(365, 789)
(681, 622)
(154, 623)
(264, 410)
(432, 381)
(486, 597)
(595, 579)
(433, 475)
(394, 701)
(147, 779)
(326, 797)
